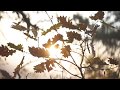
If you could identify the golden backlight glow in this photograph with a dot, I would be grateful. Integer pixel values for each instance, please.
(17, 37)
(54, 52)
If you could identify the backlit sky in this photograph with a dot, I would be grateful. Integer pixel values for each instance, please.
(7, 34)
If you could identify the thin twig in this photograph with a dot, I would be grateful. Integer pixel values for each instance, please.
(79, 54)
(67, 70)
(18, 68)
(83, 52)
(49, 17)
(80, 68)
(27, 75)
(66, 61)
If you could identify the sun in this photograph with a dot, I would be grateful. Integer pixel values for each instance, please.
(54, 52)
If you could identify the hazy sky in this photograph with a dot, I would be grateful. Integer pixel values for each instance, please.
(7, 34)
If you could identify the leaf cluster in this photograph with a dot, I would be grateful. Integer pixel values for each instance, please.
(66, 23)
(38, 52)
(98, 16)
(53, 41)
(66, 51)
(16, 47)
(48, 65)
(73, 35)
(4, 51)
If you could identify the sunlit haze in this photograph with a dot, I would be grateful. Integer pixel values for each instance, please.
(8, 34)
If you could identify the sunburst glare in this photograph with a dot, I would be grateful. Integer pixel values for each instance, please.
(54, 52)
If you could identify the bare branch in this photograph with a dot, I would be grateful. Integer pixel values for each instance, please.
(67, 70)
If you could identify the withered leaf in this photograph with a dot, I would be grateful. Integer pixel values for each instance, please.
(56, 46)
(49, 65)
(39, 68)
(56, 38)
(28, 35)
(54, 27)
(38, 52)
(66, 51)
(83, 26)
(4, 51)
(99, 15)
(17, 47)
(34, 31)
(48, 44)
(44, 66)
(66, 23)
(73, 35)
(62, 19)
(53, 41)
(19, 27)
